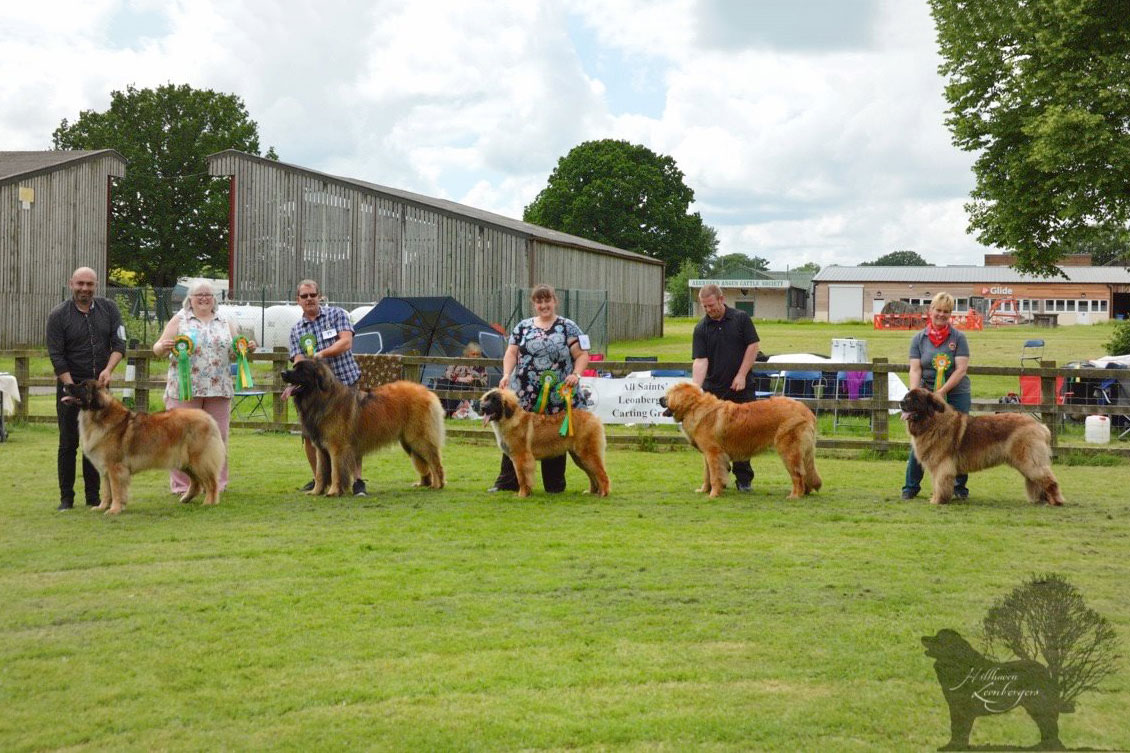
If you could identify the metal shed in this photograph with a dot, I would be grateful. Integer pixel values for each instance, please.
(362, 241)
(54, 215)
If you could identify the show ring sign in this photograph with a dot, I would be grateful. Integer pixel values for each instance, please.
(628, 401)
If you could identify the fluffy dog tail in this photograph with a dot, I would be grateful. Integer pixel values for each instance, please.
(812, 480)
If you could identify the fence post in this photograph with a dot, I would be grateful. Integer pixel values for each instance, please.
(23, 374)
(141, 391)
(1049, 414)
(278, 405)
(880, 432)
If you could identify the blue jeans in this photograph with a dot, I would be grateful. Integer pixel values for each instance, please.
(914, 471)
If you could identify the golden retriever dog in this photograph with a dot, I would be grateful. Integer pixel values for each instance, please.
(948, 442)
(120, 442)
(724, 431)
(527, 437)
(345, 423)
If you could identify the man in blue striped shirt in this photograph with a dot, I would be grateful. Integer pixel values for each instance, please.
(332, 335)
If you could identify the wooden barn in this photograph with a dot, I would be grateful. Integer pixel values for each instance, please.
(54, 217)
(363, 241)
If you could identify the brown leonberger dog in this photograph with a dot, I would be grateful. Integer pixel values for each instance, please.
(344, 423)
(724, 431)
(527, 437)
(948, 442)
(120, 443)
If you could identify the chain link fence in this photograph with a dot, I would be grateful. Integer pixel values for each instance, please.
(588, 308)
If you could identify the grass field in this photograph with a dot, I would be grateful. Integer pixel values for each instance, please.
(411, 620)
(654, 620)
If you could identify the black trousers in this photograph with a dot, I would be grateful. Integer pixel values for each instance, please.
(743, 471)
(552, 474)
(68, 447)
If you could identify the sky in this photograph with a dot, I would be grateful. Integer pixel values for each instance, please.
(809, 130)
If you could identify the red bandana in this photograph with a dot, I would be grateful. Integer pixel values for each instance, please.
(937, 335)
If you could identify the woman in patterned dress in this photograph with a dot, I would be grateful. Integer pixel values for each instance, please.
(545, 347)
(212, 335)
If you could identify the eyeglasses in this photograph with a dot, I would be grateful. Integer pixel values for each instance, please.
(202, 296)
(305, 296)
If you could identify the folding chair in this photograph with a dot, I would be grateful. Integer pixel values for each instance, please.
(1032, 350)
(250, 400)
(803, 385)
(853, 385)
(1108, 394)
(593, 357)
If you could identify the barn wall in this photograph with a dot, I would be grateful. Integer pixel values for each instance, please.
(635, 289)
(362, 244)
(64, 228)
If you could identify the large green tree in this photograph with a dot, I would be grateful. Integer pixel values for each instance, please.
(627, 196)
(169, 217)
(735, 265)
(898, 259)
(1037, 89)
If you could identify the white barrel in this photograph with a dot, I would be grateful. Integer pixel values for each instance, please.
(1096, 430)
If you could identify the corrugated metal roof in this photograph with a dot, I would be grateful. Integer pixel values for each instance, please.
(969, 274)
(15, 165)
(453, 208)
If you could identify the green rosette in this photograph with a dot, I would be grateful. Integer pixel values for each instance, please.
(566, 392)
(243, 379)
(308, 344)
(941, 362)
(546, 380)
(183, 346)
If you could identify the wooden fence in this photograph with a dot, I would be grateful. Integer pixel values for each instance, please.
(1049, 410)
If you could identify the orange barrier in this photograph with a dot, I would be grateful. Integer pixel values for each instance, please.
(970, 320)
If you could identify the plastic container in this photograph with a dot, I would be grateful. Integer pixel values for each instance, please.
(1096, 430)
(849, 350)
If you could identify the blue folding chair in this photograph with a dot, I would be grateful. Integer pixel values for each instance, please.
(803, 385)
(1032, 350)
(247, 404)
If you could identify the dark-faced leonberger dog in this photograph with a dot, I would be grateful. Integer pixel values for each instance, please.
(120, 443)
(974, 685)
(724, 431)
(948, 442)
(345, 423)
(527, 437)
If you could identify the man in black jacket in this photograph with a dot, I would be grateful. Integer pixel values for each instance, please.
(85, 340)
(724, 347)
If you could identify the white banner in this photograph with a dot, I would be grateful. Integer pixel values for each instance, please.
(634, 400)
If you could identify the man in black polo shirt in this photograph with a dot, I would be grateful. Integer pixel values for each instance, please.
(85, 340)
(724, 348)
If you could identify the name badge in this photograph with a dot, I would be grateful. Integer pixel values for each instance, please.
(583, 341)
(329, 334)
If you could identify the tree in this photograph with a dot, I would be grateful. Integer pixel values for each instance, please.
(678, 289)
(736, 265)
(808, 266)
(1037, 89)
(898, 259)
(169, 218)
(1119, 342)
(1046, 618)
(627, 196)
(1106, 247)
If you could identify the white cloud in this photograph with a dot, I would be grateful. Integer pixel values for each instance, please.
(796, 151)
